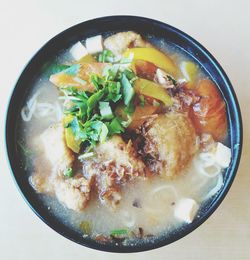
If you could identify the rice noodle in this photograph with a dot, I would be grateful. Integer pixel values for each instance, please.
(163, 187)
(27, 112)
(40, 109)
(216, 188)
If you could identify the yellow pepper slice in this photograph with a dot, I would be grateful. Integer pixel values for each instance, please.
(71, 142)
(189, 71)
(151, 89)
(155, 56)
(87, 58)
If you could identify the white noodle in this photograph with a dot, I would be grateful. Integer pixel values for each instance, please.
(216, 188)
(163, 187)
(30, 111)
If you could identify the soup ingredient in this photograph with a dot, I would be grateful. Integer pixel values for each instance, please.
(209, 113)
(145, 69)
(186, 209)
(223, 155)
(154, 56)
(55, 149)
(151, 89)
(119, 233)
(189, 71)
(78, 75)
(90, 117)
(163, 146)
(115, 163)
(86, 227)
(119, 42)
(70, 139)
(94, 44)
(78, 51)
(74, 193)
(140, 115)
(164, 79)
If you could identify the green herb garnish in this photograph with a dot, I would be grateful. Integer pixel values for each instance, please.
(93, 114)
(68, 172)
(119, 232)
(106, 56)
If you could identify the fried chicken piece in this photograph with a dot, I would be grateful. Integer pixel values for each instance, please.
(115, 163)
(49, 177)
(119, 42)
(169, 144)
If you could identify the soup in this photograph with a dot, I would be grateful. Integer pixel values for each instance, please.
(127, 138)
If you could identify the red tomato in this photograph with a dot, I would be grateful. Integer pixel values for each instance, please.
(209, 113)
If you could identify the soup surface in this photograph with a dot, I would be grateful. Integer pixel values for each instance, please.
(124, 137)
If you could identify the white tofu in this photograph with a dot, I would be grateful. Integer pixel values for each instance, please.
(223, 155)
(186, 209)
(78, 51)
(94, 44)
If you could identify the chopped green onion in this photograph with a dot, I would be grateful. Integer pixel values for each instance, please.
(156, 103)
(127, 89)
(68, 172)
(105, 110)
(115, 127)
(119, 232)
(142, 100)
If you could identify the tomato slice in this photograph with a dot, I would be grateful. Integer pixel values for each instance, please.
(209, 113)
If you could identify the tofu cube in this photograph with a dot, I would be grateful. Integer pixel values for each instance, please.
(78, 51)
(186, 209)
(223, 155)
(94, 44)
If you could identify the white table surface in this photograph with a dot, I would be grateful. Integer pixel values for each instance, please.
(222, 26)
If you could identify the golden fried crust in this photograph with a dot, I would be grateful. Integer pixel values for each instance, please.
(170, 143)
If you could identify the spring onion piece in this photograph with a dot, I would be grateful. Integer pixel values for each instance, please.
(119, 232)
(68, 172)
(105, 110)
(127, 89)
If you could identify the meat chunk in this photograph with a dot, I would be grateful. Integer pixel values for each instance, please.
(119, 42)
(115, 163)
(49, 177)
(169, 144)
(55, 149)
(74, 193)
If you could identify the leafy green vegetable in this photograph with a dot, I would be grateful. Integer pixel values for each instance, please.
(115, 127)
(127, 89)
(68, 172)
(119, 232)
(106, 56)
(105, 110)
(93, 100)
(93, 117)
(72, 70)
(55, 68)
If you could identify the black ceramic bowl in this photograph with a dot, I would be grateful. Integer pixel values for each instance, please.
(115, 24)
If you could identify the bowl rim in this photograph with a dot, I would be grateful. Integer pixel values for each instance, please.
(221, 195)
